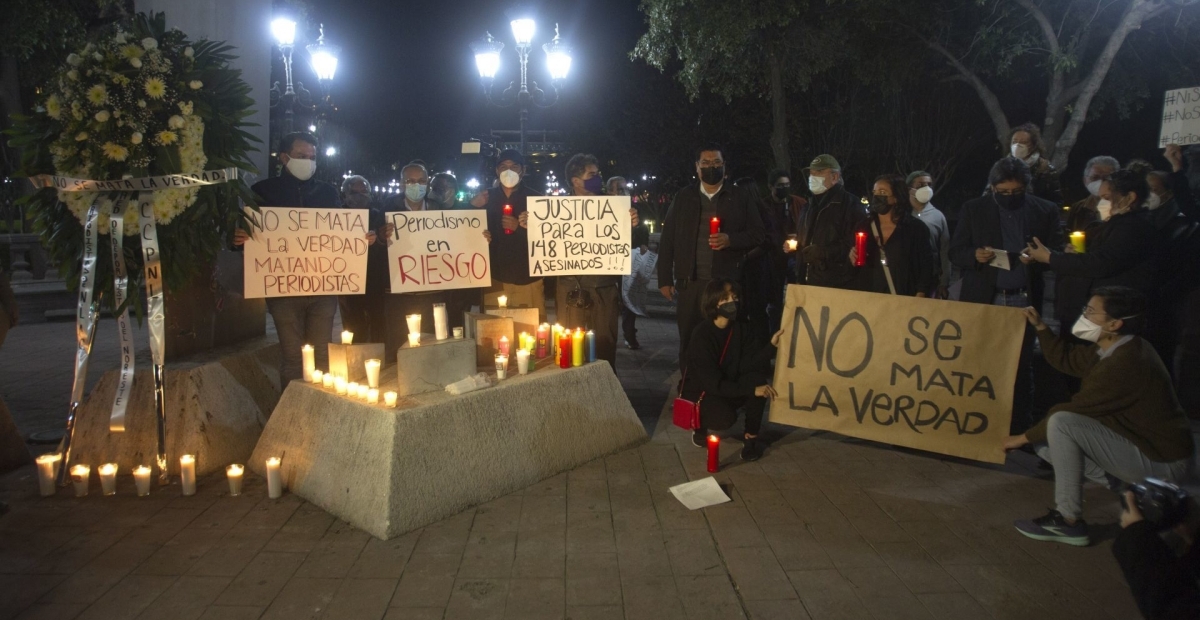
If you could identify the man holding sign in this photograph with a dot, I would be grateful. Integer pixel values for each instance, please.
(508, 224)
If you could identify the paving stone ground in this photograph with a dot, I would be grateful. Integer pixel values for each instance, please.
(823, 527)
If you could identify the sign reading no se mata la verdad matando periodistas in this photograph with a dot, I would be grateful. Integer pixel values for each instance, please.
(927, 374)
(579, 235)
(306, 251)
(1181, 117)
(438, 250)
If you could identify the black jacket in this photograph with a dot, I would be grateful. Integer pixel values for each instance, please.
(746, 365)
(677, 246)
(979, 226)
(829, 224)
(1120, 251)
(910, 259)
(509, 253)
(1164, 586)
(286, 190)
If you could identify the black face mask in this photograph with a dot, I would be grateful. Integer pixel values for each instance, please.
(782, 192)
(712, 176)
(355, 200)
(728, 310)
(880, 205)
(1010, 202)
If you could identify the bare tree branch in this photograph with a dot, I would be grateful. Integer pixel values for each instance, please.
(990, 102)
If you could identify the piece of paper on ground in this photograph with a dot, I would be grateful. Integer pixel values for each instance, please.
(699, 493)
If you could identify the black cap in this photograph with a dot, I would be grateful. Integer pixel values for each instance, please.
(512, 155)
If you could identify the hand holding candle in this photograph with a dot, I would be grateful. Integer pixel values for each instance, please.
(714, 225)
(860, 249)
(508, 211)
(1079, 241)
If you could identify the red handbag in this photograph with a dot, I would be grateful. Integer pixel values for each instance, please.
(685, 413)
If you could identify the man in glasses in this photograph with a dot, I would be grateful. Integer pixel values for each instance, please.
(690, 254)
(991, 235)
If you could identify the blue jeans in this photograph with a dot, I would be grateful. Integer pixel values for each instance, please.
(300, 321)
(1022, 411)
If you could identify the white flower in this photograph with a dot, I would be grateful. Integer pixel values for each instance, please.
(120, 37)
(74, 60)
(102, 115)
(196, 84)
(73, 74)
(136, 62)
(189, 52)
(175, 122)
(116, 114)
(136, 138)
(141, 103)
(149, 43)
(98, 56)
(185, 107)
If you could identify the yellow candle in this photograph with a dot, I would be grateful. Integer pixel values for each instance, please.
(389, 399)
(577, 348)
(1079, 241)
(234, 474)
(555, 331)
(274, 479)
(307, 353)
(79, 478)
(108, 478)
(141, 480)
(347, 337)
(47, 470)
(187, 474)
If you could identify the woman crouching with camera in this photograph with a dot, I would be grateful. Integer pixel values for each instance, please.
(1125, 423)
(727, 370)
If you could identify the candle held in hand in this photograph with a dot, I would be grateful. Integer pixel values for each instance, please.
(860, 249)
(714, 225)
(508, 210)
(1079, 241)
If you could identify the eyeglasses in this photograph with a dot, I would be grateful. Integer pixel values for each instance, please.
(1090, 310)
(415, 181)
(1009, 192)
(711, 163)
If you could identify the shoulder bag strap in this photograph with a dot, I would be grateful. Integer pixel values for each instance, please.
(719, 362)
(887, 272)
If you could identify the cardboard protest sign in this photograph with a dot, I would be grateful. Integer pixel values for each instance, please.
(1181, 117)
(579, 235)
(921, 373)
(305, 251)
(436, 250)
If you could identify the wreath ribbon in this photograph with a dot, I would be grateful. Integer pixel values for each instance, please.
(140, 184)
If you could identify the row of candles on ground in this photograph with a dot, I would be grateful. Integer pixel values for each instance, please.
(48, 465)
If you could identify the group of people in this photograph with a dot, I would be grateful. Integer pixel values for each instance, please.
(1122, 285)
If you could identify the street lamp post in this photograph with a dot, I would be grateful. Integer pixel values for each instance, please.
(324, 58)
(487, 61)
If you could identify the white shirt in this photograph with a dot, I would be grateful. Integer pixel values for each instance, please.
(710, 196)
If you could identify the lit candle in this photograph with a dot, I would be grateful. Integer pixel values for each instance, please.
(310, 363)
(555, 340)
(414, 340)
(373, 372)
(79, 478)
(860, 249)
(543, 341)
(523, 361)
(339, 386)
(187, 474)
(714, 225)
(501, 366)
(590, 338)
(792, 242)
(577, 344)
(234, 474)
(141, 480)
(1079, 241)
(372, 396)
(502, 346)
(508, 231)
(441, 329)
(108, 478)
(347, 337)
(317, 377)
(328, 381)
(458, 333)
(47, 470)
(389, 399)
(274, 480)
(414, 323)
(564, 350)
(714, 454)
(363, 389)
(352, 389)
(502, 301)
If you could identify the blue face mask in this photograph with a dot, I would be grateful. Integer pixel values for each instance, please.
(415, 192)
(594, 185)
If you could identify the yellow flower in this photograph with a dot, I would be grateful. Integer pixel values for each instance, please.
(54, 107)
(155, 88)
(131, 51)
(97, 95)
(166, 137)
(115, 152)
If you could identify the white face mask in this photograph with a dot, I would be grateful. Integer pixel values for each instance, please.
(1154, 201)
(1094, 187)
(1085, 329)
(302, 169)
(1020, 151)
(816, 185)
(509, 178)
(1104, 208)
(924, 195)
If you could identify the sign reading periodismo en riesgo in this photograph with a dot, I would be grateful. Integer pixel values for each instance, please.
(436, 250)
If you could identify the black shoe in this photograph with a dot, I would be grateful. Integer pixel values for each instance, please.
(1054, 528)
(700, 438)
(633, 344)
(753, 449)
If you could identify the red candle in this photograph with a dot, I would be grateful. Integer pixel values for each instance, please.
(714, 226)
(860, 249)
(503, 345)
(508, 211)
(564, 350)
(543, 341)
(714, 454)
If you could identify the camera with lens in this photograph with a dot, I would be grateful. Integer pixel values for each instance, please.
(1161, 503)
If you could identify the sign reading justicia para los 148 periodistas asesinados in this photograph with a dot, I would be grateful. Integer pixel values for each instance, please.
(306, 251)
(579, 235)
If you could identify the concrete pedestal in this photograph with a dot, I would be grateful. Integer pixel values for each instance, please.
(433, 365)
(389, 471)
(217, 404)
(349, 360)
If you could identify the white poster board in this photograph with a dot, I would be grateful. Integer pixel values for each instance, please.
(437, 250)
(579, 235)
(306, 251)
(1181, 117)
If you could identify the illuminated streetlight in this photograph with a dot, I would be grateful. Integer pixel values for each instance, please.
(330, 151)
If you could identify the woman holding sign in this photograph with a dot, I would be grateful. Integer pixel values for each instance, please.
(898, 258)
(727, 371)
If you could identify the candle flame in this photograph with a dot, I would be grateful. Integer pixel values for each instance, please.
(52, 457)
(108, 469)
(141, 470)
(187, 458)
(234, 470)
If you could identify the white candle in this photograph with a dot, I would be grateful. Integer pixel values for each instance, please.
(523, 361)
(274, 480)
(441, 330)
(389, 399)
(362, 391)
(234, 474)
(327, 381)
(501, 366)
(310, 363)
(502, 301)
(141, 479)
(347, 337)
(373, 372)
(108, 478)
(352, 389)
(414, 340)
(317, 377)
(339, 386)
(414, 323)
(47, 470)
(458, 333)
(79, 478)
(372, 396)
(187, 474)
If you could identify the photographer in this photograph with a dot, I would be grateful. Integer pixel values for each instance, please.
(1164, 582)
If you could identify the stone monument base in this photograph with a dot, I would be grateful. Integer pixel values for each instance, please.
(217, 404)
(13, 453)
(389, 471)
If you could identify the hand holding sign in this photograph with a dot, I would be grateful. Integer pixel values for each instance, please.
(438, 250)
